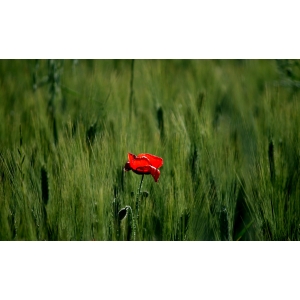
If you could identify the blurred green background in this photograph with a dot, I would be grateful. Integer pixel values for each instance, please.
(228, 131)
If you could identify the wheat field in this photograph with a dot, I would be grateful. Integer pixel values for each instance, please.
(227, 130)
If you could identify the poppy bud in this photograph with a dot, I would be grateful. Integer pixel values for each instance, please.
(145, 194)
(122, 213)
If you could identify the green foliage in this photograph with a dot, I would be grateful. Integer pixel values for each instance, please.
(228, 132)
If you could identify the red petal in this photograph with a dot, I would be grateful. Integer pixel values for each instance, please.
(155, 161)
(148, 170)
(143, 170)
(136, 162)
(127, 167)
(155, 173)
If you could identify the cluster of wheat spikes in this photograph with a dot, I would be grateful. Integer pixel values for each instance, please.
(228, 132)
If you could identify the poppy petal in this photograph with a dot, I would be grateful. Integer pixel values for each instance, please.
(136, 162)
(155, 173)
(154, 160)
(127, 167)
(144, 163)
(144, 170)
(148, 170)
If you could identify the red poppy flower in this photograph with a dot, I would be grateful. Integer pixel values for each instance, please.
(144, 164)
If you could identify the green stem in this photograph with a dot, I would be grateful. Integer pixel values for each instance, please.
(138, 198)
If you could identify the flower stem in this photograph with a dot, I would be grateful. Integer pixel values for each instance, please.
(138, 198)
